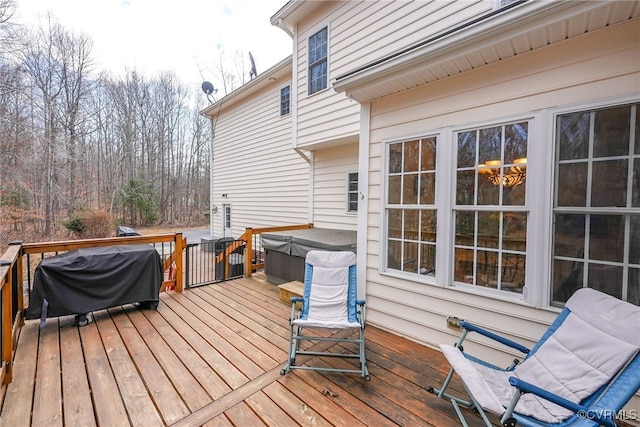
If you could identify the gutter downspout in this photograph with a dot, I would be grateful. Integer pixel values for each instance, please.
(284, 28)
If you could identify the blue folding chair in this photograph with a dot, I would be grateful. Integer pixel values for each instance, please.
(329, 302)
(582, 371)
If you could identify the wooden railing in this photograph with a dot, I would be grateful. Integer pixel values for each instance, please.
(251, 235)
(14, 270)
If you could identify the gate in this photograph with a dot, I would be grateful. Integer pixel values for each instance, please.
(215, 261)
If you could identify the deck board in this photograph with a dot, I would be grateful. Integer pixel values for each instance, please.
(212, 356)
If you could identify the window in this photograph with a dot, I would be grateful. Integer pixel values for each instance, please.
(410, 206)
(318, 61)
(596, 234)
(285, 100)
(490, 217)
(352, 192)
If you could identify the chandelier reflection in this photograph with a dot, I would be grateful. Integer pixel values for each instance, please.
(512, 176)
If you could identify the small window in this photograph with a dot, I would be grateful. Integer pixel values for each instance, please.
(285, 101)
(352, 192)
(318, 61)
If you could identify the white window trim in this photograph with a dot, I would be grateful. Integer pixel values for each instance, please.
(313, 32)
(347, 211)
(539, 203)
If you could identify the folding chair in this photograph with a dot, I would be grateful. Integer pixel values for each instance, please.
(329, 302)
(583, 370)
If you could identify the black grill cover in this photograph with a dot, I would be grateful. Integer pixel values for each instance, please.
(83, 280)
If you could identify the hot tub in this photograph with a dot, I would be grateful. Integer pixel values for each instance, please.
(285, 251)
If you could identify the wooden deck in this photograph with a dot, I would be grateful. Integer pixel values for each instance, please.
(212, 356)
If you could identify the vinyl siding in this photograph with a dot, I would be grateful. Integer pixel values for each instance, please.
(356, 38)
(595, 66)
(331, 167)
(265, 180)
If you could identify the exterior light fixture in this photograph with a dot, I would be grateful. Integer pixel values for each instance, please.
(510, 176)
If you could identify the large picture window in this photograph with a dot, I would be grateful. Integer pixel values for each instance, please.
(410, 206)
(596, 235)
(490, 215)
(318, 61)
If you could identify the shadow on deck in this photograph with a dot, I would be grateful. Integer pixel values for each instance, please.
(212, 356)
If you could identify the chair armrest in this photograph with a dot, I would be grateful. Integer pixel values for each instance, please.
(471, 327)
(296, 299)
(360, 302)
(583, 412)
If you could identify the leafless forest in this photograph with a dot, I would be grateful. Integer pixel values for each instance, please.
(78, 145)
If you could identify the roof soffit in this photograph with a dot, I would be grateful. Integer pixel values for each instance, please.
(529, 26)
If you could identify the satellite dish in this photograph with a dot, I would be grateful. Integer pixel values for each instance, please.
(253, 73)
(209, 90)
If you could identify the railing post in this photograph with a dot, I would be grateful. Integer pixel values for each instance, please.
(248, 252)
(179, 264)
(7, 324)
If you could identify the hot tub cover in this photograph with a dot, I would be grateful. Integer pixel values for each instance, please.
(88, 279)
(299, 242)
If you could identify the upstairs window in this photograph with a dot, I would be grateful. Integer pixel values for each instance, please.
(285, 101)
(352, 192)
(318, 61)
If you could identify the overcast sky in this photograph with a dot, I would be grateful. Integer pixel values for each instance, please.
(158, 35)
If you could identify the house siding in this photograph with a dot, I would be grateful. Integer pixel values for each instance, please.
(355, 39)
(331, 167)
(265, 180)
(595, 66)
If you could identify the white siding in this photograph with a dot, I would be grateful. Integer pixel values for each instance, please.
(595, 66)
(331, 166)
(356, 38)
(265, 180)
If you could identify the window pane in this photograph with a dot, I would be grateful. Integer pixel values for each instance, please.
(606, 278)
(609, 183)
(488, 229)
(427, 188)
(465, 228)
(513, 269)
(465, 185)
(634, 239)
(411, 157)
(572, 184)
(411, 217)
(428, 224)
(394, 253)
(490, 144)
(410, 257)
(606, 238)
(514, 231)
(514, 196)
(488, 193)
(428, 160)
(567, 278)
(633, 288)
(394, 227)
(635, 198)
(573, 136)
(487, 269)
(637, 133)
(612, 132)
(427, 259)
(463, 266)
(395, 185)
(569, 235)
(466, 149)
(395, 158)
(515, 142)
(410, 189)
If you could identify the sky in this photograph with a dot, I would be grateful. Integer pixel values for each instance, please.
(152, 36)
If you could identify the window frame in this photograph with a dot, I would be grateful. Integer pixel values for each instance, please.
(539, 202)
(350, 192)
(320, 62)
(286, 100)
